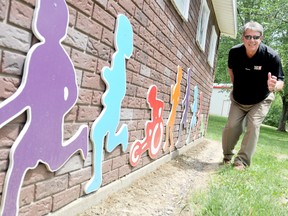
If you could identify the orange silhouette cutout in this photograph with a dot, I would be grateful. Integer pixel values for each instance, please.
(175, 98)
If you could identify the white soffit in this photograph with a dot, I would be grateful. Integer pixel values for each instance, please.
(226, 15)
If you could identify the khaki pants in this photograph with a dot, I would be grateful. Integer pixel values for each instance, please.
(241, 116)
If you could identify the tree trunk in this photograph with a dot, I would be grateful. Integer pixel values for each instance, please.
(283, 119)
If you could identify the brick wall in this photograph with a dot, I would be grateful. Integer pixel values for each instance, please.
(162, 40)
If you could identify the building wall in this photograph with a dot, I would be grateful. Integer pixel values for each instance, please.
(162, 41)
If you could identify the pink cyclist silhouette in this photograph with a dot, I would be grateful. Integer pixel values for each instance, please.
(153, 130)
(48, 91)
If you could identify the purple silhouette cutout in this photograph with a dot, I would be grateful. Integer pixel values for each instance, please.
(185, 103)
(48, 91)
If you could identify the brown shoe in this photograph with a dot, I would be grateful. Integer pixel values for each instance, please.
(226, 161)
(238, 165)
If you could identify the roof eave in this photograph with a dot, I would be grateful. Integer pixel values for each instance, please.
(226, 15)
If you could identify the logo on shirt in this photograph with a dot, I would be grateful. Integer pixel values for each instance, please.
(257, 67)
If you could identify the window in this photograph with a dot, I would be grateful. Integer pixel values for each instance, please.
(182, 7)
(202, 25)
(212, 47)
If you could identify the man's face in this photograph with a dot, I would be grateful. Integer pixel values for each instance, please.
(251, 40)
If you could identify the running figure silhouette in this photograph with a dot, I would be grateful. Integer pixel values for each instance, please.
(106, 124)
(199, 116)
(185, 103)
(194, 107)
(175, 97)
(48, 91)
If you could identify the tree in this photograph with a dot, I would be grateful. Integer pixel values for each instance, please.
(221, 75)
(272, 14)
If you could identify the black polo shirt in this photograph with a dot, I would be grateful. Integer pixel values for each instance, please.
(251, 74)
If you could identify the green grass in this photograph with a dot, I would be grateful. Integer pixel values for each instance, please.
(260, 190)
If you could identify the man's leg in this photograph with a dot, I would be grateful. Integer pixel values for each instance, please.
(233, 129)
(255, 117)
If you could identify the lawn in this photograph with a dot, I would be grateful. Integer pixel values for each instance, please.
(262, 189)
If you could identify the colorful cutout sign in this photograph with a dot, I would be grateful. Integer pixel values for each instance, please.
(199, 115)
(185, 103)
(194, 107)
(153, 130)
(106, 124)
(175, 98)
(47, 93)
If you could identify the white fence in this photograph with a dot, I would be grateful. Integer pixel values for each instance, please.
(220, 99)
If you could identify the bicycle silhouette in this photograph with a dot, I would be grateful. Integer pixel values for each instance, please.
(153, 130)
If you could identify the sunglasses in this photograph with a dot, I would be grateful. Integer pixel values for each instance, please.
(249, 37)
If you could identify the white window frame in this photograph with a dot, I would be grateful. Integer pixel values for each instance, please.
(182, 7)
(212, 46)
(202, 25)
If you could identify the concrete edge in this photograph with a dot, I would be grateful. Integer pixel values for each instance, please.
(83, 203)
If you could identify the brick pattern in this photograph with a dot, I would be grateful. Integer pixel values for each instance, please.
(162, 40)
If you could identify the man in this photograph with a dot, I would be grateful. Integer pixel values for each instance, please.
(256, 73)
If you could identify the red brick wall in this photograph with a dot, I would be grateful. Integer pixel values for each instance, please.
(162, 40)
